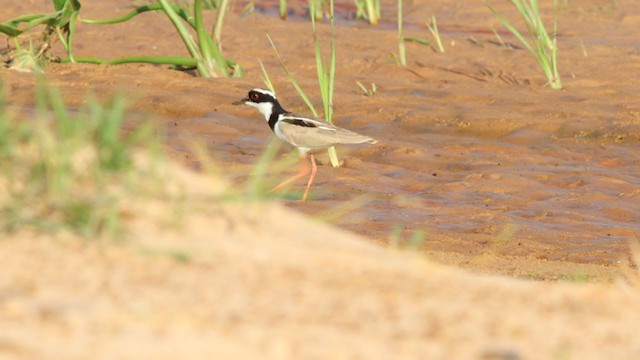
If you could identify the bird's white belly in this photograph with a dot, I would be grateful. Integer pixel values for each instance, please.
(303, 150)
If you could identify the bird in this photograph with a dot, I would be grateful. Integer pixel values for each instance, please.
(306, 133)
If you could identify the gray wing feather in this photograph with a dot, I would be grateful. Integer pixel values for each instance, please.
(322, 135)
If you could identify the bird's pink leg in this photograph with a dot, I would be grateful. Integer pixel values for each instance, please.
(314, 168)
(304, 170)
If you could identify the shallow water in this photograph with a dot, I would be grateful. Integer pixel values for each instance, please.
(566, 200)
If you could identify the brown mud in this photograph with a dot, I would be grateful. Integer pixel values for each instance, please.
(472, 145)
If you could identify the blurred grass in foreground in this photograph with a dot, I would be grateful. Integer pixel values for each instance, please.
(70, 171)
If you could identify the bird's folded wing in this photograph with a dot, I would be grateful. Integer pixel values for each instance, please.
(305, 121)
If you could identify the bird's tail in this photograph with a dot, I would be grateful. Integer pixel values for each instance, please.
(350, 137)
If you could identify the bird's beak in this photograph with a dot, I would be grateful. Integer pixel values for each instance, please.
(241, 102)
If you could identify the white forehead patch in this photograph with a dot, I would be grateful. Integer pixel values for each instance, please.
(266, 92)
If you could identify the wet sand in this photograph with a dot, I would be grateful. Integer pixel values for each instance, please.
(470, 141)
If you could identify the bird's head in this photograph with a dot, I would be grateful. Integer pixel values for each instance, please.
(263, 100)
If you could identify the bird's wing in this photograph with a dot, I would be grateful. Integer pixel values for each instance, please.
(315, 133)
(306, 121)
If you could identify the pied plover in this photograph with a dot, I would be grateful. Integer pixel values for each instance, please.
(306, 133)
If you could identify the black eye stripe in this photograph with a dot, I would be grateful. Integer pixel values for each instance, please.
(259, 96)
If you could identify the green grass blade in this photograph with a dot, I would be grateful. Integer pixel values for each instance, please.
(433, 28)
(321, 75)
(160, 60)
(512, 29)
(222, 65)
(332, 65)
(223, 7)
(265, 77)
(209, 46)
(373, 12)
(24, 18)
(71, 31)
(359, 9)
(186, 37)
(333, 154)
(315, 11)
(203, 42)
(402, 54)
(59, 4)
(542, 47)
(283, 9)
(292, 79)
(319, 63)
(142, 9)
(9, 30)
(421, 41)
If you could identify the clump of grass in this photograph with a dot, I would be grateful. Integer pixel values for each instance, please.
(67, 171)
(542, 46)
(433, 29)
(369, 10)
(205, 52)
(61, 22)
(206, 55)
(25, 59)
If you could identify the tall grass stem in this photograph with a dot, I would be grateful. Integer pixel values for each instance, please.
(401, 46)
(433, 29)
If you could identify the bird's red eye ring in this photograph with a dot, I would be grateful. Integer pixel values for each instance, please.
(254, 96)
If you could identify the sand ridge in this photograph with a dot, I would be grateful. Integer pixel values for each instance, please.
(249, 284)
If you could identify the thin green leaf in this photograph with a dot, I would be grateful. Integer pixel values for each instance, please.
(421, 41)
(161, 60)
(142, 9)
(512, 29)
(292, 79)
(186, 37)
(401, 48)
(265, 77)
(202, 34)
(9, 30)
(223, 7)
(71, 32)
(283, 9)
